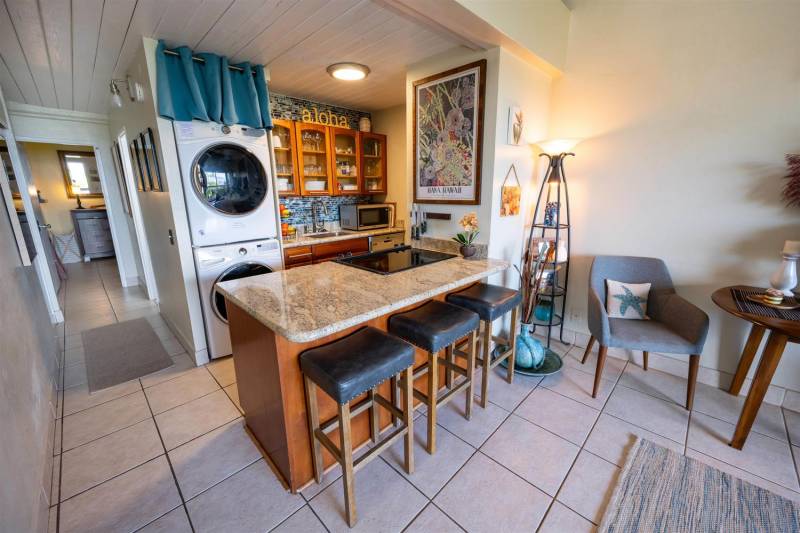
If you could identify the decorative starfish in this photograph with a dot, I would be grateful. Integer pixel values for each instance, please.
(630, 300)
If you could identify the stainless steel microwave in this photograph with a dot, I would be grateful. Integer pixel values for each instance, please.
(366, 216)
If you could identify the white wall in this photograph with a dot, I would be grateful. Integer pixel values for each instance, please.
(687, 110)
(173, 265)
(41, 124)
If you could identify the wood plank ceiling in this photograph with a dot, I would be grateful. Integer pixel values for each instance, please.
(63, 53)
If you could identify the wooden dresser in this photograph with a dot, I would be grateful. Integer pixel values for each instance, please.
(93, 232)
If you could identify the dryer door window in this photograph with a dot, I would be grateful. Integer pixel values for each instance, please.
(229, 179)
(242, 270)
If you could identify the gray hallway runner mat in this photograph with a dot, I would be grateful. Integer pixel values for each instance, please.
(121, 352)
(660, 490)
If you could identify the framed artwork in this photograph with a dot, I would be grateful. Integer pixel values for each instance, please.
(516, 126)
(12, 179)
(81, 176)
(123, 186)
(138, 176)
(510, 194)
(152, 156)
(146, 162)
(448, 135)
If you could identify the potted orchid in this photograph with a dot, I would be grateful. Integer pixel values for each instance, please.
(470, 224)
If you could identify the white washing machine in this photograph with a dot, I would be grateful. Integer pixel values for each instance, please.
(227, 182)
(215, 264)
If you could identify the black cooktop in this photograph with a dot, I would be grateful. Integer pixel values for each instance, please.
(397, 260)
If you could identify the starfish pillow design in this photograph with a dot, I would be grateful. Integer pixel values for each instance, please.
(630, 300)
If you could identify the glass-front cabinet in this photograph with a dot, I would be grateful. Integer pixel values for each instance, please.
(285, 147)
(313, 159)
(373, 163)
(344, 150)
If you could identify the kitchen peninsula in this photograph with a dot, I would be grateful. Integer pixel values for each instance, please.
(275, 317)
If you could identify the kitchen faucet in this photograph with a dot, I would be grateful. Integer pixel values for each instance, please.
(317, 225)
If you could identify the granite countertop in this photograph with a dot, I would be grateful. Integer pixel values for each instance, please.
(306, 303)
(305, 240)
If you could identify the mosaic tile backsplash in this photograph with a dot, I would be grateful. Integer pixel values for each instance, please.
(291, 108)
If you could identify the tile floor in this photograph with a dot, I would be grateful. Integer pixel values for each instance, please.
(168, 452)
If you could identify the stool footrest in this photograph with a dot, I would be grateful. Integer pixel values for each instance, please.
(445, 397)
(326, 441)
(356, 409)
(379, 447)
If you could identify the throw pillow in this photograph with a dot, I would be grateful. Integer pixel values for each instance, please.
(627, 300)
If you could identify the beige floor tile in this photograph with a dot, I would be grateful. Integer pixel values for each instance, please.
(127, 502)
(74, 375)
(174, 521)
(657, 383)
(332, 475)
(763, 456)
(561, 415)
(55, 480)
(432, 520)
(505, 502)
(250, 500)
(85, 324)
(187, 387)
(195, 418)
(93, 463)
(96, 422)
(182, 364)
(207, 460)
(508, 396)
(222, 370)
(667, 419)
(578, 385)
(385, 501)
(791, 401)
(562, 519)
(52, 520)
(303, 521)
(57, 437)
(478, 428)
(431, 472)
(73, 341)
(532, 453)
(173, 347)
(233, 393)
(745, 475)
(611, 371)
(793, 424)
(589, 485)
(611, 438)
(719, 404)
(79, 398)
(74, 355)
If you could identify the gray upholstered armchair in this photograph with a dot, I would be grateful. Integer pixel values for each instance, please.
(676, 326)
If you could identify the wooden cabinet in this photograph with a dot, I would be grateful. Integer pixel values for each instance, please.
(345, 149)
(313, 159)
(93, 232)
(326, 251)
(285, 146)
(373, 163)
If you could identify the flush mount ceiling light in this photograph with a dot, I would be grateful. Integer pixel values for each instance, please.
(348, 71)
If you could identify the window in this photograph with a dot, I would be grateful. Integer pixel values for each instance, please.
(80, 174)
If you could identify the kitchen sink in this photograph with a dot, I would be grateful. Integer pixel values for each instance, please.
(327, 234)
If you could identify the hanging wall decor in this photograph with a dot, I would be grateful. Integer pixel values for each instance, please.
(516, 126)
(448, 135)
(510, 194)
(151, 158)
(123, 186)
(138, 163)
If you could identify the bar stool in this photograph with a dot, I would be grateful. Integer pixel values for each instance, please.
(491, 302)
(433, 327)
(345, 369)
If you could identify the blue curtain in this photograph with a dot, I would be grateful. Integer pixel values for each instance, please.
(210, 91)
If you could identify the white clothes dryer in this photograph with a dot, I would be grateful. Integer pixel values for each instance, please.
(227, 182)
(216, 264)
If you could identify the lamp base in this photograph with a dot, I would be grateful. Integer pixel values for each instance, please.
(80, 206)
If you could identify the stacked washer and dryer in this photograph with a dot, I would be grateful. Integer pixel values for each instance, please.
(231, 205)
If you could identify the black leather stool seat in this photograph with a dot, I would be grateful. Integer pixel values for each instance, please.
(489, 301)
(434, 326)
(357, 363)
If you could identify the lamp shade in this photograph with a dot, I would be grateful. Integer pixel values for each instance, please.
(557, 146)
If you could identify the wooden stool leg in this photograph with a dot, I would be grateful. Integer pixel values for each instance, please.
(513, 340)
(746, 360)
(588, 349)
(694, 366)
(408, 419)
(644, 360)
(433, 393)
(487, 359)
(766, 369)
(473, 342)
(374, 426)
(346, 449)
(450, 358)
(393, 398)
(598, 373)
(313, 426)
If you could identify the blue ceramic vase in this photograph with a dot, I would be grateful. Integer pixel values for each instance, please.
(530, 352)
(543, 311)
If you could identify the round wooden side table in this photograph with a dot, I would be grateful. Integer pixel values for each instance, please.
(780, 332)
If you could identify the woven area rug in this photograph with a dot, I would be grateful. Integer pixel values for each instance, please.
(120, 352)
(661, 490)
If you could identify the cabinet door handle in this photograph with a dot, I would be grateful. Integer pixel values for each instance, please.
(44, 226)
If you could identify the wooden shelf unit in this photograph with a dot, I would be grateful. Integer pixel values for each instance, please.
(286, 158)
(345, 147)
(313, 150)
(373, 163)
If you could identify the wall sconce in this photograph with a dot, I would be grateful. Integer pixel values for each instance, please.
(135, 91)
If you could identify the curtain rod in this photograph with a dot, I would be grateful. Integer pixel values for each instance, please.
(201, 60)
